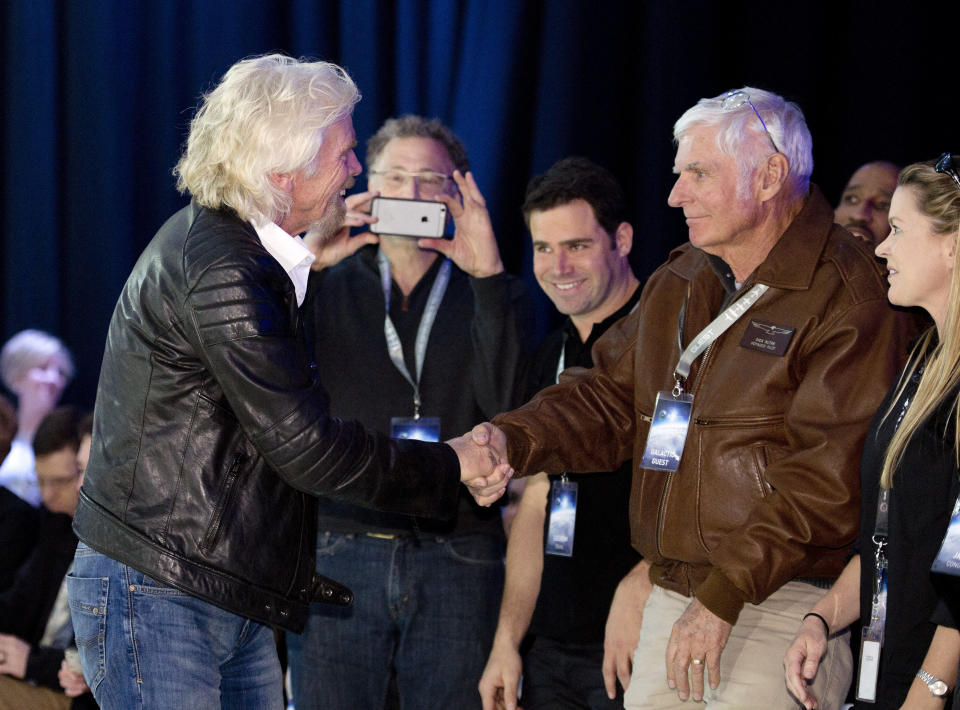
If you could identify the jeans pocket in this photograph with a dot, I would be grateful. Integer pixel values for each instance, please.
(329, 543)
(476, 549)
(139, 583)
(88, 609)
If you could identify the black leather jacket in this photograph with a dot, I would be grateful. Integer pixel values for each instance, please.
(212, 434)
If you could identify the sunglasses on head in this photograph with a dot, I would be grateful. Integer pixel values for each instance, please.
(945, 165)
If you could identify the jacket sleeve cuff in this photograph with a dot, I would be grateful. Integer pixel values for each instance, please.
(518, 449)
(43, 664)
(491, 292)
(721, 597)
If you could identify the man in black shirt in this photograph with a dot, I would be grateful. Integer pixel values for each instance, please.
(559, 586)
(411, 343)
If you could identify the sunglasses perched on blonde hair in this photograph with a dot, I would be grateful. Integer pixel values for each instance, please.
(945, 165)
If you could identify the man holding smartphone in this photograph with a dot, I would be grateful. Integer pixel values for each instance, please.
(416, 338)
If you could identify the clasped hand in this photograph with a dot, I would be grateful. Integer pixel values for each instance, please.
(483, 462)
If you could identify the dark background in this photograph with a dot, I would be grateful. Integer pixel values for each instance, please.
(97, 96)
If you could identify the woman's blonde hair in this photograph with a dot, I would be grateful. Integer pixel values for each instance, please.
(937, 196)
(266, 116)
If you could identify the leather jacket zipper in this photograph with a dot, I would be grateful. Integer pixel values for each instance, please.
(666, 488)
(224, 500)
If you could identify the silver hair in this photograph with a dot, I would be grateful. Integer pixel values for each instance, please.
(267, 116)
(413, 126)
(741, 135)
(26, 350)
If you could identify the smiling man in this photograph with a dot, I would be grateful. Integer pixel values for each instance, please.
(559, 597)
(747, 504)
(212, 431)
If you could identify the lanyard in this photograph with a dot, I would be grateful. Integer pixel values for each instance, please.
(562, 360)
(881, 529)
(394, 347)
(713, 331)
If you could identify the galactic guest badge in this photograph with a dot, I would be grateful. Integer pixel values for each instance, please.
(767, 337)
(668, 431)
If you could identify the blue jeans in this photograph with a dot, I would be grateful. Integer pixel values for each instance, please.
(145, 645)
(426, 608)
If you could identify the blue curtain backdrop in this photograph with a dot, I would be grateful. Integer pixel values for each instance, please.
(97, 95)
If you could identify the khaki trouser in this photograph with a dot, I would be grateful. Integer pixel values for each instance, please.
(751, 667)
(18, 695)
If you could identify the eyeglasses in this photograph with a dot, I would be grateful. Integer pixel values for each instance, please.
(736, 99)
(428, 181)
(945, 165)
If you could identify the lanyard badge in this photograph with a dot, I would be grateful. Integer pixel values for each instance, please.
(673, 408)
(668, 431)
(871, 641)
(948, 559)
(563, 518)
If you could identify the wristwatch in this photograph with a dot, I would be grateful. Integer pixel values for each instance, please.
(937, 687)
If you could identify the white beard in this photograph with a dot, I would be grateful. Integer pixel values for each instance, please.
(326, 228)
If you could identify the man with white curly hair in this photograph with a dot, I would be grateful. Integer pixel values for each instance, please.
(212, 430)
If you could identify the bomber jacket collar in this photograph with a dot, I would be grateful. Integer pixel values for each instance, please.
(792, 261)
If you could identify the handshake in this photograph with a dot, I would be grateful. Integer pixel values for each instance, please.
(484, 469)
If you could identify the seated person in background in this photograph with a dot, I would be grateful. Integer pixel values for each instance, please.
(8, 426)
(18, 519)
(865, 201)
(581, 244)
(36, 367)
(35, 626)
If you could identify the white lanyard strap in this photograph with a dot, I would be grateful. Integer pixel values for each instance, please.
(394, 347)
(712, 332)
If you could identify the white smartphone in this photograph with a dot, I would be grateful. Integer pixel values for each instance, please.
(408, 218)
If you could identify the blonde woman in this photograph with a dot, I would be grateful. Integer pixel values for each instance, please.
(908, 473)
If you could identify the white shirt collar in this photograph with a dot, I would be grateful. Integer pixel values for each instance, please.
(291, 253)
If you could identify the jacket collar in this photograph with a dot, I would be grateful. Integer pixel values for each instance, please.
(792, 261)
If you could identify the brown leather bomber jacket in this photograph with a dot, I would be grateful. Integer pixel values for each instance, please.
(767, 488)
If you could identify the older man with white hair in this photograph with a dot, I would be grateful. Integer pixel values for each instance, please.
(212, 432)
(742, 386)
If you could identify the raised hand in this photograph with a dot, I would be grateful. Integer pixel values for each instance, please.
(341, 245)
(696, 643)
(474, 246)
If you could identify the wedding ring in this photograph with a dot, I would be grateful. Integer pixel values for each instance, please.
(696, 662)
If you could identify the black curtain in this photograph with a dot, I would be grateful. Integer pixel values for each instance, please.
(97, 95)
